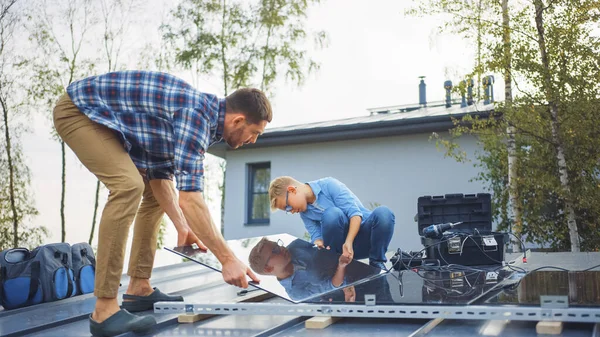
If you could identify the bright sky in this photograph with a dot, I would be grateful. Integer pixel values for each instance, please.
(374, 58)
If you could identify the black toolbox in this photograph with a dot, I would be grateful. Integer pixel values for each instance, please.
(470, 243)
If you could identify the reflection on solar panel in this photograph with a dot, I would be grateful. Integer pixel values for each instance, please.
(299, 272)
(289, 267)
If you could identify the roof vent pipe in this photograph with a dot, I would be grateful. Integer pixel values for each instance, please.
(463, 99)
(422, 92)
(488, 87)
(470, 85)
(448, 87)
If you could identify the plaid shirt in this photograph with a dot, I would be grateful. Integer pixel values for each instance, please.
(164, 123)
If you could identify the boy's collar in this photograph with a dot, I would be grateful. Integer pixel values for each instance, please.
(315, 187)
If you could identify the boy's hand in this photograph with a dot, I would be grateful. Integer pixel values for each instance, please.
(343, 261)
(319, 243)
(347, 250)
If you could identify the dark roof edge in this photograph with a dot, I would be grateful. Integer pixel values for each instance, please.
(346, 132)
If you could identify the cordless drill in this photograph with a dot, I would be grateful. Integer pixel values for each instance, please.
(436, 231)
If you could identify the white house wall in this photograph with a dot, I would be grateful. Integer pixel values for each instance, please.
(392, 171)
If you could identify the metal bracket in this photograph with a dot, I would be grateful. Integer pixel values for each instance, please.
(477, 312)
(369, 300)
(489, 243)
(551, 301)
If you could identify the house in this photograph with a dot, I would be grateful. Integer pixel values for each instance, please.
(385, 158)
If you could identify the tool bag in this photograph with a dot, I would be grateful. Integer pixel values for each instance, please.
(84, 267)
(44, 274)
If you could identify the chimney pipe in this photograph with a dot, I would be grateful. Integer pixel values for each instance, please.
(448, 87)
(463, 99)
(422, 92)
(488, 85)
(470, 85)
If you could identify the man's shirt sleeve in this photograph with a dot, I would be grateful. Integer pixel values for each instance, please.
(192, 133)
(343, 198)
(162, 173)
(313, 227)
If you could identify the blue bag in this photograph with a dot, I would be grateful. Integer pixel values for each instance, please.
(44, 274)
(84, 267)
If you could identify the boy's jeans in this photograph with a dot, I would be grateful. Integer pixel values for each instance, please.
(372, 239)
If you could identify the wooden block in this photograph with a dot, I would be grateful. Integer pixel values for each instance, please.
(425, 329)
(254, 296)
(320, 322)
(549, 328)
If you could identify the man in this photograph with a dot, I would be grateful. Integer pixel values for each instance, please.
(135, 130)
(334, 217)
(303, 270)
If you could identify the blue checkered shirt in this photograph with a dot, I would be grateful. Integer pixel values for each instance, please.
(164, 123)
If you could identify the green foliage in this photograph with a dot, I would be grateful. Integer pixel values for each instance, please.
(63, 62)
(570, 79)
(306, 237)
(16, 201)
(372, 205)
(162, 231)
(28, 236)
(244, 43)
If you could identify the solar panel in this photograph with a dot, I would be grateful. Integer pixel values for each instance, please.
(296, 270)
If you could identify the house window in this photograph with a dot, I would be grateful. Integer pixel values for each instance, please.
(259, 177)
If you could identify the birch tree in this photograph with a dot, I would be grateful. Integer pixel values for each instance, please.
(64, 61)
(16, 201)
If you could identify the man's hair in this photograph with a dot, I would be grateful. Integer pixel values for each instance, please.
(250, 102)
(278, 187)
(256, 260)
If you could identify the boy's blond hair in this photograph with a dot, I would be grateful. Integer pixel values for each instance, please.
(278, 187)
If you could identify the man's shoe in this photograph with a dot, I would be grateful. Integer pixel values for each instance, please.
(121, 322)
(377, 264)
(142, 303)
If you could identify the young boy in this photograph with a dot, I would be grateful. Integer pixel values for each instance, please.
(334, 217)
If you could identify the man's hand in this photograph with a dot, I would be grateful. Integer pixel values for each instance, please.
(347, 250)
(234, 273)
(185, 237)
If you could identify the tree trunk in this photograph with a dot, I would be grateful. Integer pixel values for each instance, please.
(479, 43)
(555, 127)
(95, 212)
(225, 84)
(62, 196)
(513, 206)
(223, 47)
(11, 175)
(223, 167)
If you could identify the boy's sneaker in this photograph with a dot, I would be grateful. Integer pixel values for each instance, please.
(377, 264)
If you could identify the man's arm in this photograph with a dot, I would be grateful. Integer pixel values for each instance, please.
(198, 218)
(164, 193)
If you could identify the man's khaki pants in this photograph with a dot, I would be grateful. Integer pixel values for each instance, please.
(100, 150)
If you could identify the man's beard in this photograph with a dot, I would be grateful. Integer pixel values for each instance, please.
(234, 138)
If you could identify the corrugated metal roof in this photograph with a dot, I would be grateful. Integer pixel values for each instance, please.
(379, 124)
(200, 285)
(387, 117)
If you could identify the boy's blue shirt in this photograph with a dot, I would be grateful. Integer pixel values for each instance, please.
(330, 192)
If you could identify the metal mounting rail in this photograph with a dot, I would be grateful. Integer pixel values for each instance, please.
(478, 312)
